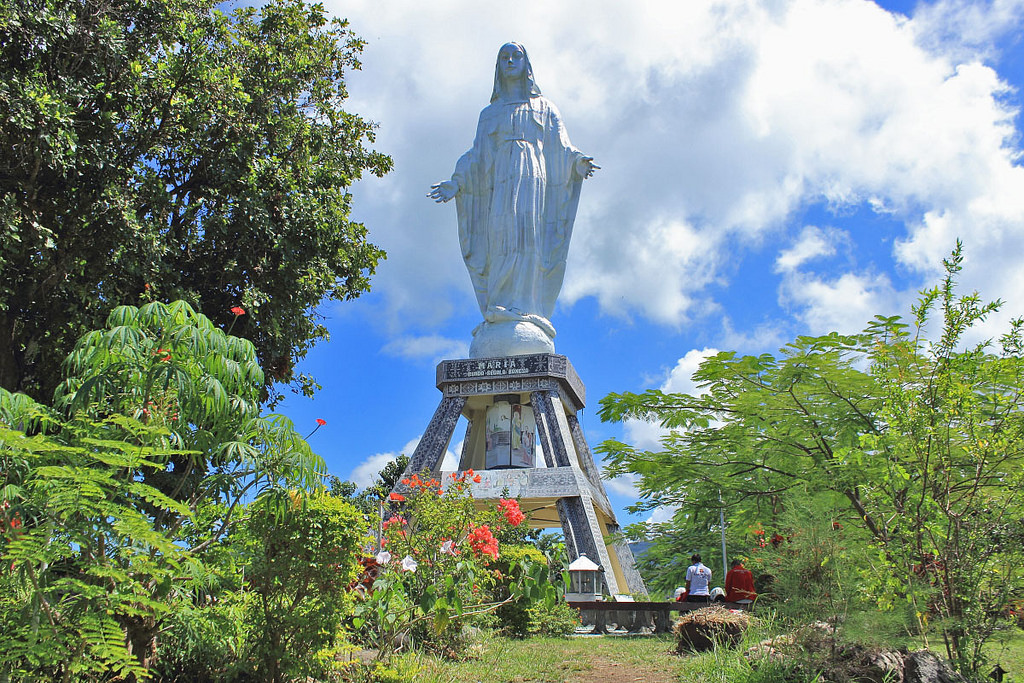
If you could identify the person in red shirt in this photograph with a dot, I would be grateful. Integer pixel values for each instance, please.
(739, 584)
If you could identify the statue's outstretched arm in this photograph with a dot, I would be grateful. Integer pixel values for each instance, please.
(443, 191)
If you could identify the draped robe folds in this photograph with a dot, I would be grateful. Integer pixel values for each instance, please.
(518, 193)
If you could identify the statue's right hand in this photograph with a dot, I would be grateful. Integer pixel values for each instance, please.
(443, 191)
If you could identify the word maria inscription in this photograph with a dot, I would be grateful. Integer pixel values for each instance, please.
(495, 368)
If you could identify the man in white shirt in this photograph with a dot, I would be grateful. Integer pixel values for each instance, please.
(698, 578)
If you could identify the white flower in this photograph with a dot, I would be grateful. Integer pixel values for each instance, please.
(448, 548)
(409, 564)
(383, 557)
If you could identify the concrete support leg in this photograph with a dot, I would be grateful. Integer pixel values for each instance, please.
(583, 535)
(431, 449)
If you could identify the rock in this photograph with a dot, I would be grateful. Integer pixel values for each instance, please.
(924, 666)
(869, 666)
(776, 649)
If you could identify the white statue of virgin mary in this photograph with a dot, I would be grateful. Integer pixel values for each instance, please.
(516, 193)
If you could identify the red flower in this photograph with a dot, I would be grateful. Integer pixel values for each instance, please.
(476, 479)
(163, 355)
(483, 542)
(394, 521)
(397, 497)
(237, 310)
(510, 508)
(320, 422)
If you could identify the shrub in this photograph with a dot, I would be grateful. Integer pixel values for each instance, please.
(302, 551)
(553, 619)
(443, 568)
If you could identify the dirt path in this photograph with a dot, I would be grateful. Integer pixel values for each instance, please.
(609, 671)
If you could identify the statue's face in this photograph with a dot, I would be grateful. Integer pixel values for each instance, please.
(512, 61)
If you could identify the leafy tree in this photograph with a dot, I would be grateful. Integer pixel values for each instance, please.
(388, 478)
(922, 438)
(164, 150)
(123, 496)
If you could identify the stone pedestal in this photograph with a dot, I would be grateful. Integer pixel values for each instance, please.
(567, 491)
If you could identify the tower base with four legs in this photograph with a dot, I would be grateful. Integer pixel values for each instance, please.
(565, 489)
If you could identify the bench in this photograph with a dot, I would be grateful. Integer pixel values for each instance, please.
(635, 616)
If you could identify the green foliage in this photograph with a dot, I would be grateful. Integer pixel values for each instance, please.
(395, 670)
(205, 643)
(552, 618)
(88, 574)
(302, 552)
(513, 617)
(165, 150)
(815, 565)
(115, 508)
(922, 438)
(369, 500)
(664, 563)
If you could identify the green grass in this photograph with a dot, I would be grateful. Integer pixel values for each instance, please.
(1007, 650)
(551, 660)
(558, 660)
(555, 660)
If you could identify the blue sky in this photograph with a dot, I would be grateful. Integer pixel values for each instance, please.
(769, 169)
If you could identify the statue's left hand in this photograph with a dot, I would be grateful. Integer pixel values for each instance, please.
(586, 166)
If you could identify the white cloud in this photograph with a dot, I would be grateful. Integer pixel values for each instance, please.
(812, 243)
(966, 28)
(766, 336)
(366, 472)
(623, 486)
(660, 515)
(433, 347)
(680, 378)
(714, 122)
(450, 462)
(843, 304)
(647, 435)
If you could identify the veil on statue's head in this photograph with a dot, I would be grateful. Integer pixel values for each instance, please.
(531, 84)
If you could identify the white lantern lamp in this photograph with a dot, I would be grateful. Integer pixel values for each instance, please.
(584, 580)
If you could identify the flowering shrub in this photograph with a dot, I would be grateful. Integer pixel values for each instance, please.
(439, 570)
